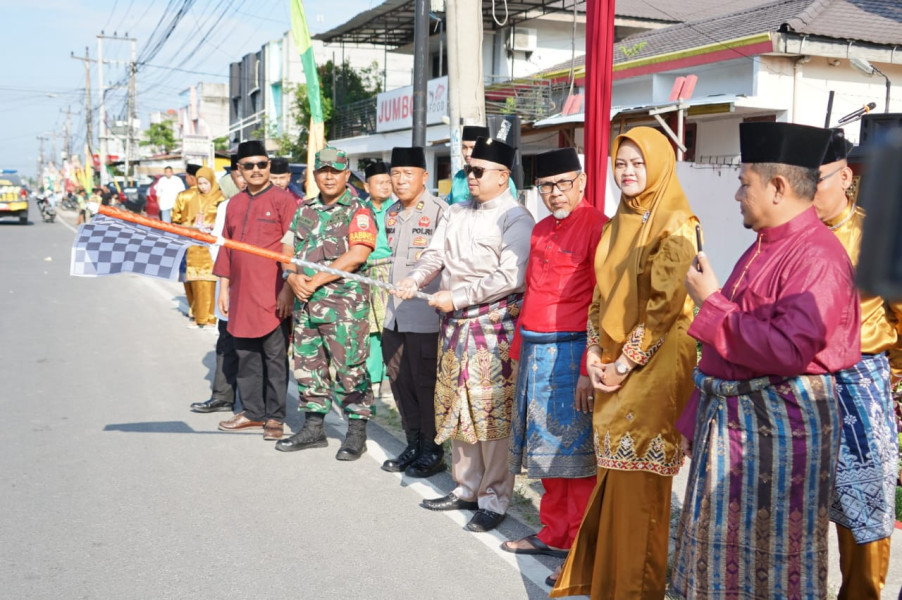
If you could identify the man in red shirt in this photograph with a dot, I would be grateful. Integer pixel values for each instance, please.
(251, 294)
(551, 429)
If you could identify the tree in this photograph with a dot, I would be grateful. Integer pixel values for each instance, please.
(221, 143)
(340, 86)
(160, 136)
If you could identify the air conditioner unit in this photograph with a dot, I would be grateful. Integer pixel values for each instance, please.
(523, 39)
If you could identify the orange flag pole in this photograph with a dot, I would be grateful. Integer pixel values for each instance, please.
(206, 238)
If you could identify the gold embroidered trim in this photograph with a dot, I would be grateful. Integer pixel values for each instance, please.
(624, 458)
(633, 347)
(591, 334)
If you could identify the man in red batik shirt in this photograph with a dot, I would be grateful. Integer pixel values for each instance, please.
(551, 429)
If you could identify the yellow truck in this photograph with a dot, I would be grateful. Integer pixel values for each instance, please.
(13, 197)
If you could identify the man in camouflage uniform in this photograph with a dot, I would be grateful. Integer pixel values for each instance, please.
(330, 317)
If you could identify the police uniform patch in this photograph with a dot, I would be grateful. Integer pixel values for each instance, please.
(420, 241)
(363, 222)
(420, 205)
(391, 222)
(424, 221)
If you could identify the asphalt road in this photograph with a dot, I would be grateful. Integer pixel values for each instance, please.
(111, 488)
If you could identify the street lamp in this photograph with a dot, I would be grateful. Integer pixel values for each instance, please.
(868, 69)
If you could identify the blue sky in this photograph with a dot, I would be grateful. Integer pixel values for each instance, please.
(39, 80)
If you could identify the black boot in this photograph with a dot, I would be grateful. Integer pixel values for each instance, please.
(311, 435)
(406, 458)
(355, 442)
(430, 462)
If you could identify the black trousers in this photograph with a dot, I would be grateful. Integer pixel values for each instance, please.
(226, 366)
(410, 360)
(263, 373)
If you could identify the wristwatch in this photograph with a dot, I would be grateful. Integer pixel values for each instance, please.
(286, 273)
(621, 368)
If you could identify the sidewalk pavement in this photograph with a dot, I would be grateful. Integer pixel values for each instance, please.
(528, 493)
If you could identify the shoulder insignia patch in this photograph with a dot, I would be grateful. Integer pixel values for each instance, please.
(363, 222)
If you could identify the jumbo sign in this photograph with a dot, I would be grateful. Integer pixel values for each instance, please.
(395, 108)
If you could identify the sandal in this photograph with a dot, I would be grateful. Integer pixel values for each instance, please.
(537, 546)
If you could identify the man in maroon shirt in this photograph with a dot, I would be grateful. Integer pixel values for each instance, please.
(551, 429)
(766, 421)
(251, 294)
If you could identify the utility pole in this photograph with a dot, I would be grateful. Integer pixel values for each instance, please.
(131, 111)
(420, 60)
(101, 115)
(103, 134)
(41, 139)
(67, 148)
(466, 86)
(89, 136)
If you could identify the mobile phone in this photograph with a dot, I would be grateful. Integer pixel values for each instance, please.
(698, 243)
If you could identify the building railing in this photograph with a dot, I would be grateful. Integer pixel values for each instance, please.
(354, 119)
(530, 99)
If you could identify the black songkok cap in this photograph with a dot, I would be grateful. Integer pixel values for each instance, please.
(471, 133)
(784, 143)
(192, 169)
(555, 162)
(376, 168)
(234, 158)
(494, 151)
(408, 157)
(251, 148)
(839, 147)
(278, 166)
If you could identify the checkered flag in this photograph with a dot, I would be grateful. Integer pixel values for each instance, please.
(106, 246)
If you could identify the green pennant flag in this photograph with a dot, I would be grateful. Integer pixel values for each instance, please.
(316, 139)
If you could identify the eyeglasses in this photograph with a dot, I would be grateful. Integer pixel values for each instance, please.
(249, 166)
(478, 172)
(826, 177)
(564, 185)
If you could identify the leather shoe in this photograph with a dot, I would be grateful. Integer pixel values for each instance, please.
(449, 502)
(212, 405)
(485, 520)
(427, 465)
(273, 430)
(239, 423)
(407, 457)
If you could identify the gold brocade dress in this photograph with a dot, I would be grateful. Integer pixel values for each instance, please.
(641, 310)
(188, 204)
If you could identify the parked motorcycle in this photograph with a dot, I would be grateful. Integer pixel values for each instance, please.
(48, 213)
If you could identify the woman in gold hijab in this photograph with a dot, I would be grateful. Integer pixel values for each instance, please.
(200, 283)
(640, 360)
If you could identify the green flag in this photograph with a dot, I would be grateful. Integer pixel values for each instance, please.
(316, 139)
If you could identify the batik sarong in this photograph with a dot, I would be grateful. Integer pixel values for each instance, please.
(864, 493)
(755, 518)
(380, 270)
(474, 390)
(549, 437)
